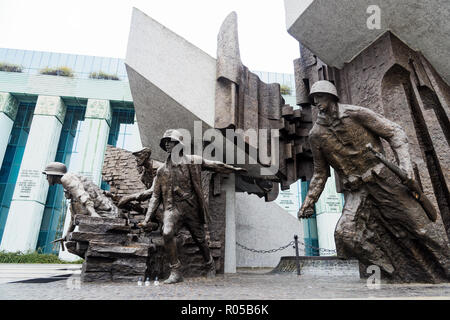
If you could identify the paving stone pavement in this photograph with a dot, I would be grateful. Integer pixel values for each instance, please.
(244, 285)
(11, 272)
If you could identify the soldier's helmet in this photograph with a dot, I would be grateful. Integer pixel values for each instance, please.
(143, 151)
(55, 169)
(142, 155)
(323, 86)
(173, 135)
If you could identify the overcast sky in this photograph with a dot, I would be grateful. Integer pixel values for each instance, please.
(100, 27)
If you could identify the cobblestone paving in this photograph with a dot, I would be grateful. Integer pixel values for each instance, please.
(241, 286)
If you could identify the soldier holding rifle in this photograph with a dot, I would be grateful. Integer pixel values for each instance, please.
(177, 187)
(386, 220)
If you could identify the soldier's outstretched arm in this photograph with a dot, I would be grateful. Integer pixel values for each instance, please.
(390, 131)
(220, 167)
(144, 195)
(319, 178)
(139, 196)
(154, 201)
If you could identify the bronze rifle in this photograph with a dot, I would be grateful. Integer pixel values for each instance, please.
(411, 184)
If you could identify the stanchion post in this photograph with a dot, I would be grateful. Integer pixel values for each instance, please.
(297, 260)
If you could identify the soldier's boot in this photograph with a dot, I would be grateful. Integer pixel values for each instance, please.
(210, 268)
(175, 273)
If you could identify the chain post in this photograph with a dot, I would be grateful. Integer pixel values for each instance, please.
(295, 243)
(297, 260)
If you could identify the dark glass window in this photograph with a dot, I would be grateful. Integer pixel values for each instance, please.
(121, 118)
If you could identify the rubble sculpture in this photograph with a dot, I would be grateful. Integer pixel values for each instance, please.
(384, 222)
(110, 245)
(147, 170)
(117, 249)
(145, 166)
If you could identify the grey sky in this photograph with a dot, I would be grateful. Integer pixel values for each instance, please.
(100, 27)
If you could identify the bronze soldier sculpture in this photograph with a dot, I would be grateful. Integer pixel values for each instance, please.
(382, 223)
(177, 186)
(145, 166)
(85, 196)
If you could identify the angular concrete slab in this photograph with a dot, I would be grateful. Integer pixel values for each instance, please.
(152, 107)
(168, 76)
(336, 31)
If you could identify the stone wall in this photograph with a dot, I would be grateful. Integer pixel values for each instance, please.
(120, 172)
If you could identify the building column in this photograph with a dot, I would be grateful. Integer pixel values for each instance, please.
(328, 212)
(28, 201)
(309, 226)
(8, 112)
(93, 139)
(230, 223)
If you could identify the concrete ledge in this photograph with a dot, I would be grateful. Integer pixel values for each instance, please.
(336, 31)
(39, 84)
(318, 266)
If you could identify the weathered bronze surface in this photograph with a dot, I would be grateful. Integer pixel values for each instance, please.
(382, 223)
(147, 171)
(178, 188)
(86, 198)
(145, 166)
(394, 80)
(245, 102)
(120, 250)
(412, 184)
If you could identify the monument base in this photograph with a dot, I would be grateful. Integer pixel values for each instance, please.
(113, 251)
(318, 266)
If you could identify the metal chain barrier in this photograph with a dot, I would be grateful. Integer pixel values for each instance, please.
(265, 251)
(322, 250)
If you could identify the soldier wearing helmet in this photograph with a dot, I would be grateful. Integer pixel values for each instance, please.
(145, 166)
(86, 197)
(374, 195)
(178, 188)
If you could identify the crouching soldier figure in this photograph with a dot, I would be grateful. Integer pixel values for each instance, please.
(85, 196)
(177, 186)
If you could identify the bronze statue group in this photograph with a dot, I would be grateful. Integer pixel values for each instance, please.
(386, 220)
